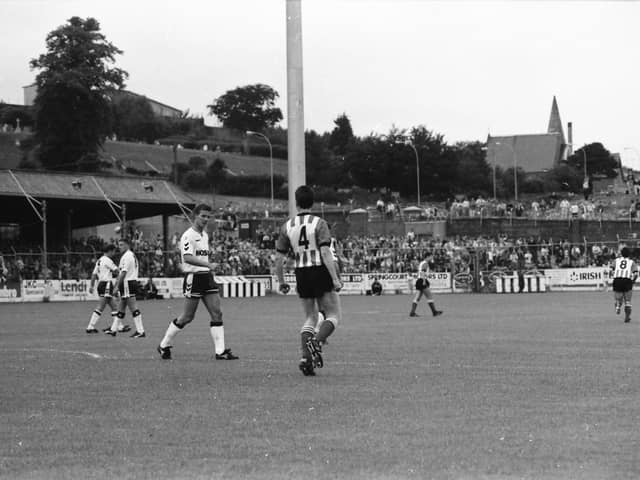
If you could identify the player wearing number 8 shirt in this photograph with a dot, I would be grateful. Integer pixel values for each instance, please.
(307, 238)
(625, 273)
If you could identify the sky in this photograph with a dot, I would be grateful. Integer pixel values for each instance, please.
(463, 69)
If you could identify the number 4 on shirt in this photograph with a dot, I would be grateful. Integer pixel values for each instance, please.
(303, 241)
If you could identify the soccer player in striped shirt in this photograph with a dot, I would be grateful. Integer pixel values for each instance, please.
(625, 273)
(307, 237)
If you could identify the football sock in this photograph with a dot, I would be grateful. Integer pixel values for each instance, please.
(306, 334)
(137, 319)
(432, 306)
(627, 312)
(95, 316)
(414, 305)
(217, 334)
(326, 328)
(172, 331)
(117, 322)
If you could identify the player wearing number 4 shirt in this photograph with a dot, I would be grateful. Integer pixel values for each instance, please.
(423, 288)
(198, 284)
(625, 273)
(307, 238)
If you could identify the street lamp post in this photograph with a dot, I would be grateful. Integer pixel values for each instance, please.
(493, 163)
(515, 169)
(258, 134)
(417, 169)
(408, 142)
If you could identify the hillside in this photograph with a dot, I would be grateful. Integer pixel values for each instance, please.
(144, 157)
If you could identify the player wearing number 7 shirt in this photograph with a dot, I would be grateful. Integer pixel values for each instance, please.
(625, 273)
(307, 238)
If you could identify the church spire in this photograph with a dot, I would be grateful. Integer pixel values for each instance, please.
(555, 124)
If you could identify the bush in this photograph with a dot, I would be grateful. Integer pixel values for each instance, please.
(197, 163)
(195, 180)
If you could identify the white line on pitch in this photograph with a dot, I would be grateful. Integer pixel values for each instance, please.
(72, 352)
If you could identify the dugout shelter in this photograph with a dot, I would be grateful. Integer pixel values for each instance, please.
(48, 206)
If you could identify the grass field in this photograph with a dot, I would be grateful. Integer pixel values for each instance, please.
(514, 386)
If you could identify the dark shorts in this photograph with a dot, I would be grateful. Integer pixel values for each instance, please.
(422, 283)
(128, 288)
(105, 289)
(199, 284)
(622, 284)
(313, 282)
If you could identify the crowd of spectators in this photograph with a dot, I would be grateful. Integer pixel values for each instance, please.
(357, 254)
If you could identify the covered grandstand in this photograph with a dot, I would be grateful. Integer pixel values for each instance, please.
(68, 201)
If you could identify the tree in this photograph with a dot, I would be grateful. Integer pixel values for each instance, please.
(341, 135)
(473, 173)
(133, 119)
(75, 84)
(599, 160)
(251, 107)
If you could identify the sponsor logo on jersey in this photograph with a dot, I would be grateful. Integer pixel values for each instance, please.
(202, 253)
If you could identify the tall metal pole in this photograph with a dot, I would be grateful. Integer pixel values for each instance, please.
(515, 173)
(123, 233)
(271, 170)
(417, 170)
(45, 268)
(175, 163)
(251, 132)
(295, 102)
(495, 197)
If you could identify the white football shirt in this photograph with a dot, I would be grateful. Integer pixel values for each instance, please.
(104, 269)
(196, 244)
(129, 265)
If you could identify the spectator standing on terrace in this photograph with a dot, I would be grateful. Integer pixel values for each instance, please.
(127, 287)
(317, 279)
(423, 288)
(625, 273)
(199, 284)
(103, 273)
(3, 272)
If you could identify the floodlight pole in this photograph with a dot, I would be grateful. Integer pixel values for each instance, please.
(295, 102)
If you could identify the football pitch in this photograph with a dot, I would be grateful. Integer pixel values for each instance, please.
(540, 386)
